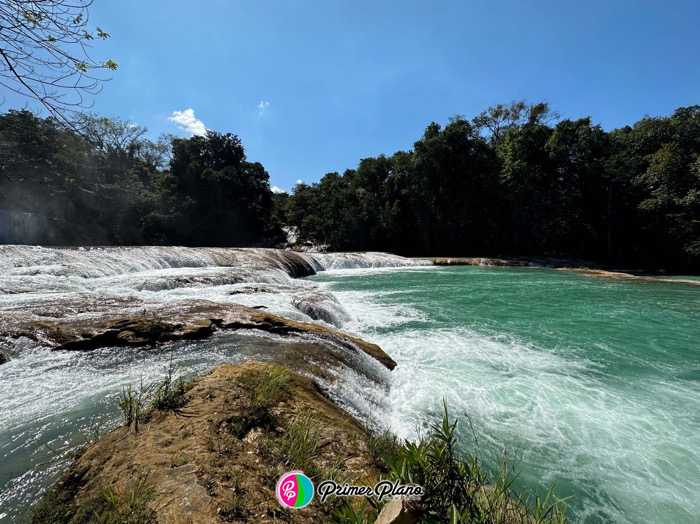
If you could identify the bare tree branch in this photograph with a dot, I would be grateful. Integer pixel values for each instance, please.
(44, 54)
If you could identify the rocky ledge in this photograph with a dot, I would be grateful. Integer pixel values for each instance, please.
(167, 324)
(621, 275)
(586, 268)
(545, 262)
(216, 454)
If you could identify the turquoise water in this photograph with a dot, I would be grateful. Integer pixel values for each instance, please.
(590, 384)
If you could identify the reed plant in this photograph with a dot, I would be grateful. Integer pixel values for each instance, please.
(133, 404)
(170, 394)
(457, 487)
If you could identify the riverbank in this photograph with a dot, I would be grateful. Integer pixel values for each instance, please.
(583, 267)
(213, 450)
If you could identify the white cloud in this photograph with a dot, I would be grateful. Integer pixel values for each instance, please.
(299, 181)
(277, 190)
(188, 122)
(262, 106)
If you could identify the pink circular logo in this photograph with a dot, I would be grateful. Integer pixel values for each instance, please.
(294, 490)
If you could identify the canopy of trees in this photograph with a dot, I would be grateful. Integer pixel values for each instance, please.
(109, 185)
(514, 182)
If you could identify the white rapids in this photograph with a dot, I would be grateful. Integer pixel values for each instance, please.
(54, 401)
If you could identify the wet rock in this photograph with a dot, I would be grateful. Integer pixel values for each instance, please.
(197, 329)
(620, 275)
(267, 288)
(322, 306)
(467, 261)
(249, 290)
(294, 264)
(4, 357)
(582, 267)
(170, 323)
(282, 326)
(87, 335)
(396, 512)
(548, 262)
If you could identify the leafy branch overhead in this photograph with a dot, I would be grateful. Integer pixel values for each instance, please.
(45, 54)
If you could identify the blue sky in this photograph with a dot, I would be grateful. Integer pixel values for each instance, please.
(314, 86)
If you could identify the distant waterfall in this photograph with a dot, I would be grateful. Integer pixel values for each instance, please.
(97, 262)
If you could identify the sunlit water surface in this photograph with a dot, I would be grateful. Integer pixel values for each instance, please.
(591, 384)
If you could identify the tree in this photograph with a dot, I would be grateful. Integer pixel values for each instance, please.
(671, 207)
(62, 193)
(453, 172)
(579, 152)
(533, 188)
(44, 55)
(498, 119)
(110, 135)
(213, 195)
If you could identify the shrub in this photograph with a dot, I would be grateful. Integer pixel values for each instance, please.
(232, 508)
(300, 445)
(130, 506)
(383, 447)
(268, 388)
(57, 506)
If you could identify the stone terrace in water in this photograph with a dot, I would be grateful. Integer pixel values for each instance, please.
(45, 290)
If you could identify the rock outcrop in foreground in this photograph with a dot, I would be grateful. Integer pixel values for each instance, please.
(217, 456)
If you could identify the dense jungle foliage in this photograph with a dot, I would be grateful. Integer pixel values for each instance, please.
(514, 180)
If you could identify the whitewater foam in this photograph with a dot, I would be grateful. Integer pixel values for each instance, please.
(624, 444)
(52, 400)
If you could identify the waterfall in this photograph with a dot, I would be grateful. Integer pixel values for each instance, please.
(51, 397)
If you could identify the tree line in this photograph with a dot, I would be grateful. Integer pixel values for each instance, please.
(109, 185)
(518, 180)
(514, 180)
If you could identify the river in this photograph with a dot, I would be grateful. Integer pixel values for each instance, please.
(591, 384)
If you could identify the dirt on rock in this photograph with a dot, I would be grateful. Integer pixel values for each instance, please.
(218, 456)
